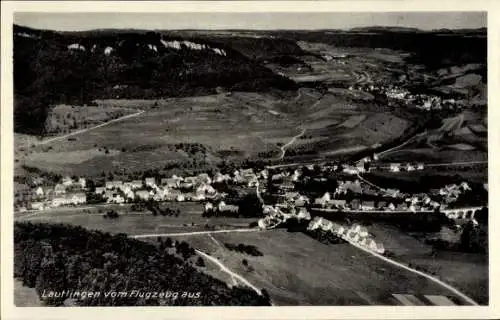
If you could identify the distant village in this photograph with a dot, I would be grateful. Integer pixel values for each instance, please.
(420, 101)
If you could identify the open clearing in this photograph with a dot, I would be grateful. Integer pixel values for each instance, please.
(336, 274)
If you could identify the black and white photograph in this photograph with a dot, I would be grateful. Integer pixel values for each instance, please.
(250, 159)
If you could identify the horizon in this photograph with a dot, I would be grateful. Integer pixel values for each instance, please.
(425, 21)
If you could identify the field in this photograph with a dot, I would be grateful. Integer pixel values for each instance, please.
(466, 271)
(212, 129)
(135, 223)
(296, 269)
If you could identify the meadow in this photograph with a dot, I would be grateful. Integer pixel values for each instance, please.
(298, 270)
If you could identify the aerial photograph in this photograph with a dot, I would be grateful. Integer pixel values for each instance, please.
(250, 159)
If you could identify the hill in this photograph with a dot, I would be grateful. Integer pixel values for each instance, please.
(76, 68)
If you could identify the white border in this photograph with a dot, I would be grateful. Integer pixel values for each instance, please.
(10, 312)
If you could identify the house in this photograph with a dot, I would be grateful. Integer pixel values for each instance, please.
(142, 194)
(171, 182)
(223, 207)
(304, 214)
(209, 207)
(401, 207)
(392, 192)
(38, 192)
(78, 198)
(82, 182)
(99, 190)
(355, 204)
(246, 172)
(338, 203)
(394, 167)
(301, 201)
(116, 198)
(296, 175)
(219, 177)
(180, 197)
(113, 184)
(37, 206)
(277, 177)
(135, 184)
(420, 166)
(350, 170)
(409, 167)
(67, 181)
(323, 200)
(150, 182)
(381, 205)
(198, 197)
(204, 178)
(59, 189)
(391, 207)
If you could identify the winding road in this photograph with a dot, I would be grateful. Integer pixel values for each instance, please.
(289, 143)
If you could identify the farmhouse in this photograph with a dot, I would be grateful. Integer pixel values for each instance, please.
(394, 167)
(150, 182)
(113, 184)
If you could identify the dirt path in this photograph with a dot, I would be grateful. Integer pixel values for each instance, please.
(91, 128)
(229, 272)
(289, 143)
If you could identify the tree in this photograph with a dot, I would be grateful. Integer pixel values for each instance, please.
(200, 262)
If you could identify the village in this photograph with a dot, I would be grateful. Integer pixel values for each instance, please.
(401, 95)
(344, 189)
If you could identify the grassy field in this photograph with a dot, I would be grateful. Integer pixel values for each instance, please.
(298, 270)
(466, 271)
(135, 223)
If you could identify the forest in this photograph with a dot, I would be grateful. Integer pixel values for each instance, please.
(56, 257)
(53, 68)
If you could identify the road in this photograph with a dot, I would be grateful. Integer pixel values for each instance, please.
(224, 268)
(178, 234)
(283, 147)
(229, 272)
(91, 128)
(431, 278)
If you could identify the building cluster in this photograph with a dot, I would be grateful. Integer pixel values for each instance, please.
(404, 96)
(73, 191)
(70, 191)
(355, 233)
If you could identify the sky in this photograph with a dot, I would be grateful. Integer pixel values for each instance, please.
(78, 21)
